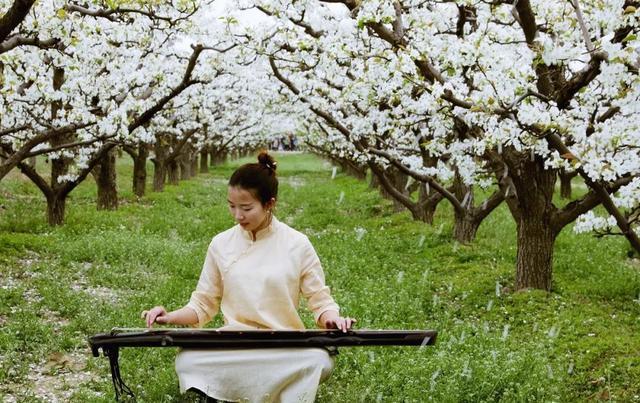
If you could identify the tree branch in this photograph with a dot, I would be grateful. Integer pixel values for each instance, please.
(176, 152)
(601, 191)
(580, 79)
(325, 115)
(19, 40)
(573, 210)
(420, 177)
(307, 28)
(67, 145)
(147, 115)
(116, 13)
(583, 26)
(14, 16)
(384, 181)
(8, 131)
(490, 204)
(38, 180)
(18, 156)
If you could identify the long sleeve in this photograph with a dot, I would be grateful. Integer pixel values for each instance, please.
(205, 300)
(312, 283)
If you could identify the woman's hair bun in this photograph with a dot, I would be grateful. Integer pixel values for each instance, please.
(267, 161)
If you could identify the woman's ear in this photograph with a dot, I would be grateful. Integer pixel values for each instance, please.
(271, 204)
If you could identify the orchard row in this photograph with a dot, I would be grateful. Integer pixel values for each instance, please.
(440, 101)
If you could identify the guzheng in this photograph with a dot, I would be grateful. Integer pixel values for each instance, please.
(111, 342)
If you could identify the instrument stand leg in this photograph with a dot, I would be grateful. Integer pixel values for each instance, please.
(118, 384)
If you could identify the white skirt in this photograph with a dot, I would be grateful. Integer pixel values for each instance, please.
(255, 375)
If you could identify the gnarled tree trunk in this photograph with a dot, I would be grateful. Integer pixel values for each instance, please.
(159, 175)
(218, 157)
(105, 176)
(536, 234)
(173, 169)
(140, 171)
(534, 260)
(161, 151)
(465, 228)
(399, 181)
(466, 223)
(56, 204)
(428, 200)
(193, 168)
(204, 161)
(185, 166)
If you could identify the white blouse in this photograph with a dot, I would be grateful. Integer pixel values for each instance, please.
(257, 284)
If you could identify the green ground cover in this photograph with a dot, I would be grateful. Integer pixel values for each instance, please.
(60, 285)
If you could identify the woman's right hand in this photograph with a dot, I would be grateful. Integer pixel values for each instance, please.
(157, 314)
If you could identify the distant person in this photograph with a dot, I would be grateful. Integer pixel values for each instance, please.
(255, 273)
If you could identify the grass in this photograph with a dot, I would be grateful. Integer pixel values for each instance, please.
(60, 285)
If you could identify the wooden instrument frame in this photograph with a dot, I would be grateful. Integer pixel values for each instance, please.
(111, 342)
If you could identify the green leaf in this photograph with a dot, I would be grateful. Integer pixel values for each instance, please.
(630, 37)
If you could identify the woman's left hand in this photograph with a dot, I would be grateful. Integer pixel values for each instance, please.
(332, 320)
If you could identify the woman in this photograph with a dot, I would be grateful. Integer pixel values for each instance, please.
(254, 273)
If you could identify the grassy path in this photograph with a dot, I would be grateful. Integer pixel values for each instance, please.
(60, 285)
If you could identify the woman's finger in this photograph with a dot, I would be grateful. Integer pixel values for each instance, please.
(151, 318)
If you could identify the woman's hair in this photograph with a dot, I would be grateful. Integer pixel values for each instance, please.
(258, 178)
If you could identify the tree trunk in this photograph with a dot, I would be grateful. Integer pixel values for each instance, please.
(353, 169)
(565, 184)
(465, 229)
(204, 161)
(193, 169)
(185, 167)
(161, 150)
(428, 201)
(218, 158)
(55, 209)
(159, 175)
(140, 171)
(427, 213)
(174, 172)
(534, 260)
(398, 180)
(105, 175)
(56, 201)
(534, 186)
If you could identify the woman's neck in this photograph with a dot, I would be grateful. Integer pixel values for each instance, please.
(265, 223)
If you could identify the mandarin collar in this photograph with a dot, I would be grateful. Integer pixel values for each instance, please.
(263, 233)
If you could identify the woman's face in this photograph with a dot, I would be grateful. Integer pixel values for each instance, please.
(247, 210)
